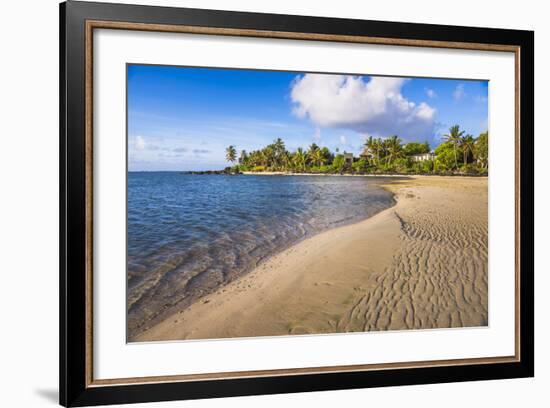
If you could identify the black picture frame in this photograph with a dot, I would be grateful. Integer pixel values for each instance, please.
(75, 389)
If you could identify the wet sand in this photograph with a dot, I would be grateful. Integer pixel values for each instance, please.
(420, 264)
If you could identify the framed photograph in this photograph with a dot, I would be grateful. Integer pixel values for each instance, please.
(256, 204)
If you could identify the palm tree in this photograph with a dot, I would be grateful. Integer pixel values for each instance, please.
(231, 154)
(369, 147)
(278, 148)
(313, 147)
(243, 159)
(262, 158)
(299, 159)
(380, 148)
(467, 145)
(373, 147)
(327, 155)
(454, 137)
(253, 158)
(279, 145)
(269, 156)
(318, 157)
(285, 160)
(394, 148)
(256, 158)
(312, 152)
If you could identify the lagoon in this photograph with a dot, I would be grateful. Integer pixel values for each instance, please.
(189, 235)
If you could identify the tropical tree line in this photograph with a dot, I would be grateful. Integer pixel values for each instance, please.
(459, 153)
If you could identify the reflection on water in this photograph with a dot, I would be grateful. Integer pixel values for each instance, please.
(189, 234)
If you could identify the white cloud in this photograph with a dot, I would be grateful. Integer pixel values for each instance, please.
(376, 107)
(343, 140)
(140, 143)
(431, 93)
(459, 92)
(425, 111)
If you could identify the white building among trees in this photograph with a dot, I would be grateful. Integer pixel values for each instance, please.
(423, 156)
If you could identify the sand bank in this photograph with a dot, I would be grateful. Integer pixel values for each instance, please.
(420, 264)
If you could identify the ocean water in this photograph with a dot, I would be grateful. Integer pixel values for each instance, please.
(190, 234)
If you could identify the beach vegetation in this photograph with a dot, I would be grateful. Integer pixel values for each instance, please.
(413, 148)
(459, 153)
(231, 154)
(445, 157)
(454, 137)
(481, 150)
(338, 163)
(360, 166)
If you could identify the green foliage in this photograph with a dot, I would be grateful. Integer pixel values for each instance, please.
(440, 167)
(481, 150)
(467, 145)
(403, 165)
(394, 149)
(360, 166)
(385, 168)
(243, 158)
(327, 155)
(242, 167)
(454, 137)
(416, 148)
(471, 169)
(458, 154)
(424, 167)
(339, 163)
(299, 159)
(231, 154)
(445, 156)
(325, 169)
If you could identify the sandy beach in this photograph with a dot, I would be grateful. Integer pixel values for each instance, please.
(420, 264)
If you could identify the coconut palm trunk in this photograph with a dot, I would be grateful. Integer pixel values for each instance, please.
(456, 157)
(454, 136)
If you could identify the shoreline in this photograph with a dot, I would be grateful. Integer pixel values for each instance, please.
(283, 173)
(165, 311)
(287, 173)
(359, 277)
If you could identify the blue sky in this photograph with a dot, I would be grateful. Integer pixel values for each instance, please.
(183, 118)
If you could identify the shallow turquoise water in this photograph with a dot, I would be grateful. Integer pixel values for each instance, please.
(189, 234)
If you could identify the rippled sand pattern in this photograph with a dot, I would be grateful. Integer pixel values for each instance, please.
(438, 277)
(421, 264)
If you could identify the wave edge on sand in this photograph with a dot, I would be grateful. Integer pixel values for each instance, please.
(420, 264)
